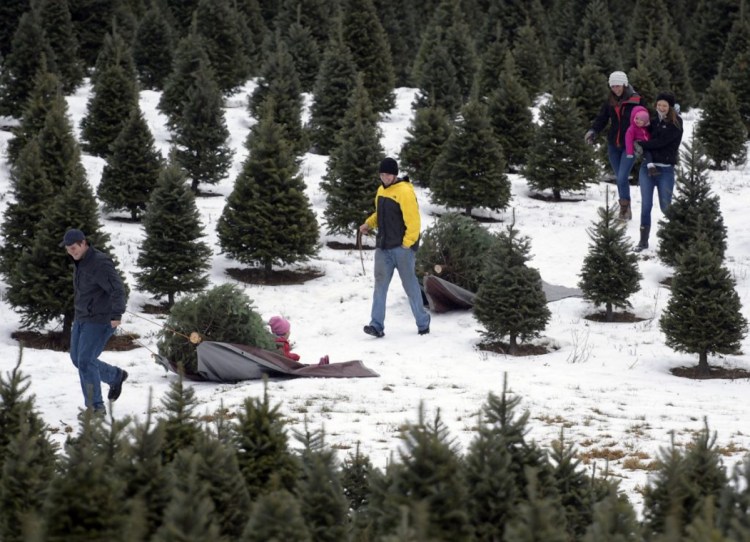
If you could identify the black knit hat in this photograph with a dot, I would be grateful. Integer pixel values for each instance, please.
(388, 165)
(667, 97)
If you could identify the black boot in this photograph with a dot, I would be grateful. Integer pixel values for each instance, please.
(643, 243)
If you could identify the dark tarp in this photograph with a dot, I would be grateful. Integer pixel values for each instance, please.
(224, 362)
(444, 296)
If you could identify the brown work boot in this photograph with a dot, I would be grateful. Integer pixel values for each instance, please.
(625, 212)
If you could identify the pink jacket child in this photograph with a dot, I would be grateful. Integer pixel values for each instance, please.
(281, 328)
(638, 129)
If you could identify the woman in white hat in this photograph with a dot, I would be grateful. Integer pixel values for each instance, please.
(616, 111)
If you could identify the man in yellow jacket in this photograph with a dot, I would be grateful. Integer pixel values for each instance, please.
(397, 221)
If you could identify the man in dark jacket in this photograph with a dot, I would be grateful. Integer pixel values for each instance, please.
(99, 305)
(397, 220)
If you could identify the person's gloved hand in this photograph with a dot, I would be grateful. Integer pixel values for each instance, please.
(589, 137)
(638, 149)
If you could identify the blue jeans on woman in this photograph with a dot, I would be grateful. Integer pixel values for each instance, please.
(87, 341)
(621, 166)
(402, 259)
(664, 184)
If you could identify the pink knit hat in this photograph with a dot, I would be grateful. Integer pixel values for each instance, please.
(279, 326)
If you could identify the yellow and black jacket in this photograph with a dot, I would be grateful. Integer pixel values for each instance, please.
(396, 216)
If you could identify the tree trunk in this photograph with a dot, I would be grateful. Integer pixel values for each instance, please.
(703, 368)
(512, 345)
(67, 327)
(467, 211)
(557, 194)
(610, 313)
(170, 300)
(194, 186)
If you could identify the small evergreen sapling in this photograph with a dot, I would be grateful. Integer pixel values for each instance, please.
(510, 301)
(693, 208)
(276, 516)
(704, 314)
(609, 275)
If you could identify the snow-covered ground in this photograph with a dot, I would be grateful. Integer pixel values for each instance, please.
(608, 385)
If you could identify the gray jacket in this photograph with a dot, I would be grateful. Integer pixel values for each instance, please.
(99, 292)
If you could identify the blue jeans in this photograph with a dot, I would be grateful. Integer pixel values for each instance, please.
(664, 184)
(403, 259)
(621, 166)
(87, 341)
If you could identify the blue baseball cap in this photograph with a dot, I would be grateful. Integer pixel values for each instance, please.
(71, 237)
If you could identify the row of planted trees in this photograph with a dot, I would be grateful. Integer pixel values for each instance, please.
(234, 475)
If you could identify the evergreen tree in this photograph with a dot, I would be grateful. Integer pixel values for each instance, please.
(676, 64)
(146, 477)
(32, 193)
(352, 167)
(40, 287)
(45, 95)
(190, 514)
(153, 49)
(180, 424)
(431, 475)
(305, 54)
(510, 301)
(539, 518)
(559, 158)
(457, 245)
(218, 467)
(446, 63)
(92, 19)
(711, 23)
(172, 258)
(596, 41)
(268, 218)
(115, 51)
(734, 503)
(188, 56)
(366, 39)
(58, 29)
(85, 499)
(491, 64)
(682, 484)
(336, 81)
(279, 86)
(402, 29)
(321, 496)
(586, 85)
(693, 209)
(30, 49)
(509, 110)
(115, 95)
(132, 169)
(201, 134)
(10, 14)
(276, 516)
(738, 76)
(223, 313)
(181, 14)
(613, 520)
(217, 22)
(721, 130)
(530, 60)
(609, 275)
(428, 132)
(254, 31)
(355, 479)
(61, 155)
(320, 16)
(262, 446)
(736, 42)
(704, 314)
(469, 172)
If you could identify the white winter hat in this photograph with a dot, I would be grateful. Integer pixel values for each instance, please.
(618, 78)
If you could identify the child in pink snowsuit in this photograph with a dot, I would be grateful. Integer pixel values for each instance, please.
(281, 328)
(638, 129)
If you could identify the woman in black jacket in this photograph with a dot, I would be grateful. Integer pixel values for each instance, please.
(664, 146)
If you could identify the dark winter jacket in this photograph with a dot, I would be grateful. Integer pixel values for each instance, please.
(618, 116)
(396, 216)
(99, 292)
(664, 144)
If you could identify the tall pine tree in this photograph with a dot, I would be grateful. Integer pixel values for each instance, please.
(721, 130)
(153, 49)
(58, 29)
(430, 129)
